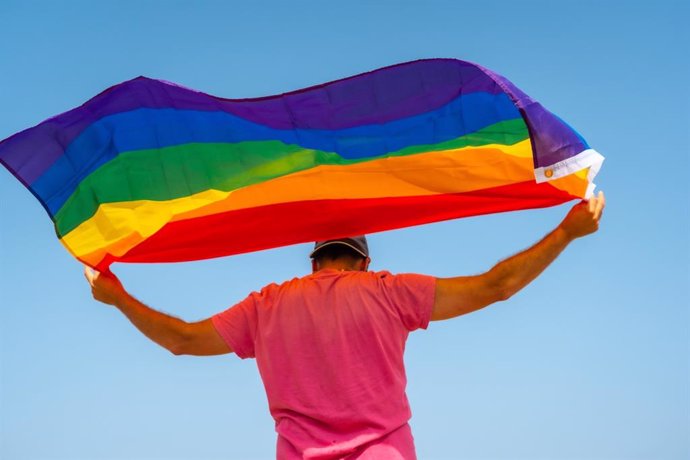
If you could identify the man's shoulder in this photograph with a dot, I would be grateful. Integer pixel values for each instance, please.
(311, 279)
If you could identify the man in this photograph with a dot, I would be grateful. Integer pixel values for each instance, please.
(329, 346)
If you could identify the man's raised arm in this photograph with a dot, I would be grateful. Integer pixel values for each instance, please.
(457, 296)
(174, 334)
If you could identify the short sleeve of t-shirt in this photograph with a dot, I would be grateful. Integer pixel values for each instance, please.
(238, 324)
(412, 296)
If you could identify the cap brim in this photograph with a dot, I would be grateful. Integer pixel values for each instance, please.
(330, 243)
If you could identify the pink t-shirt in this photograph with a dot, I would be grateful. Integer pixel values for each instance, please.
(329, 347)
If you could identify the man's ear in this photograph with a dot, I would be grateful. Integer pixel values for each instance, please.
(365, 264)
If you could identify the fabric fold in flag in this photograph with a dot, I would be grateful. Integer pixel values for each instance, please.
(149, 171)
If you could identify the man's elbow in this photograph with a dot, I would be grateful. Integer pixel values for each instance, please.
(177, 349)
(507, 289)
(499, 285)
(503, 293)
(501, 289)
(180, 346)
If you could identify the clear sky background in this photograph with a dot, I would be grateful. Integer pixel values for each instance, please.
(591, 361)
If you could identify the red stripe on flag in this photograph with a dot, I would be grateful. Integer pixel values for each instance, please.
(282, 224)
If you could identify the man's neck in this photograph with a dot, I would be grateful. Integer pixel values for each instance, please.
(337, 266)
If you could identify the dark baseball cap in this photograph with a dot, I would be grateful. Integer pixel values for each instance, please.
(358, 243)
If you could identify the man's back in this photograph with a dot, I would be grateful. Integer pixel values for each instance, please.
(329, 347)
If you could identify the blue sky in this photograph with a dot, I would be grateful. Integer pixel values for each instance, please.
(589, 362)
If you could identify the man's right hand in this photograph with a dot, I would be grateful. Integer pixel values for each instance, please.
(105, 287)
(583, 218)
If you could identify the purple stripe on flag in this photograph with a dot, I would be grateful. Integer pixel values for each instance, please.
(378, 96)
(553, 140)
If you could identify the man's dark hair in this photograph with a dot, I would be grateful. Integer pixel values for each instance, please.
(336, 251)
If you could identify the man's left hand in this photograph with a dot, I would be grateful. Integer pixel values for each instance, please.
(105, 287)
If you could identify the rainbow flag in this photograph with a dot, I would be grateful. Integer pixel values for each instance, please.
(149, 171)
